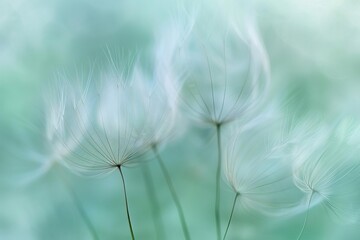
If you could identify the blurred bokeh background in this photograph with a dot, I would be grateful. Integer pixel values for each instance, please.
(314, 52)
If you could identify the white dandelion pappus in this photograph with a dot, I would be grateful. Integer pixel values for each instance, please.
(133, 113)
(257, 173)
(229, 78)
(326, 171)
(112, 138)
(117, 136)
(63, 105)
(137, 109)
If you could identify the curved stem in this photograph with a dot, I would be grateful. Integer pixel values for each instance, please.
(306, 217)
(173, 193)
(149, 183)
(231, 215)
(81, 210)
(218, 178)
(126, 204)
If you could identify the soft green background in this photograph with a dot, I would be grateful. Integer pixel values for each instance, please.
(314, 51)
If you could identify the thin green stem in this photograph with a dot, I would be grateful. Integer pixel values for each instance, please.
(218, 179)
(155, 207)
(81, 210)
(126, 204)
(306, 217)
(231, 215)
(173, 193)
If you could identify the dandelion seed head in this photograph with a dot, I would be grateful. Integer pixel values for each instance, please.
(229, 76)
(257, 174)
(135, 110)
(325, 169)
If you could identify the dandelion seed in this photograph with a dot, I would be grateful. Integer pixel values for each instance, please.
(228, 78)
(257, 174)
(111, 140)
(325, 170)
(135, 113)
(228, 81)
